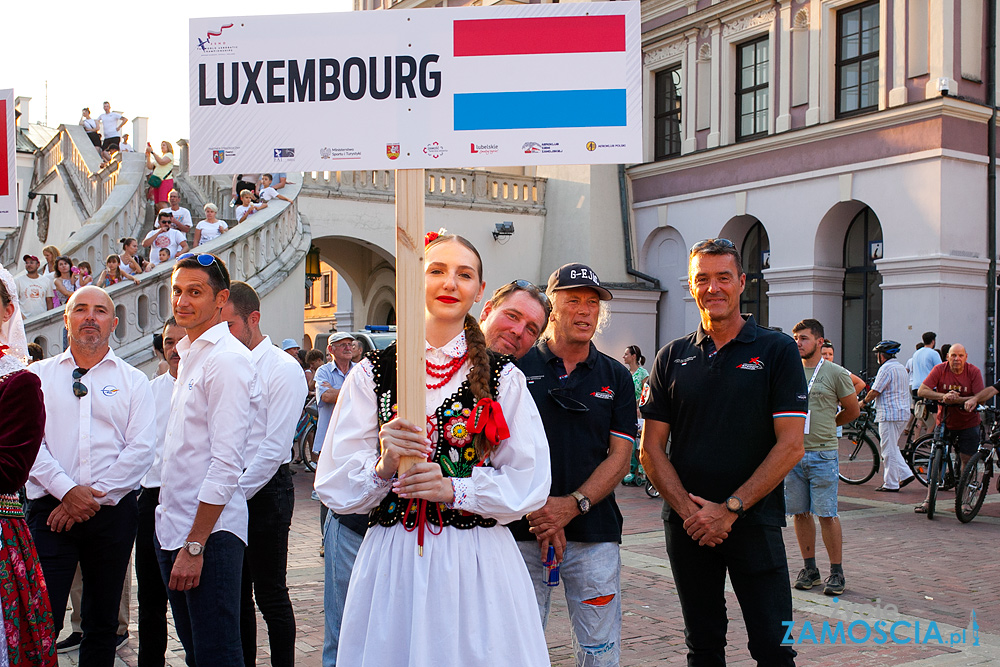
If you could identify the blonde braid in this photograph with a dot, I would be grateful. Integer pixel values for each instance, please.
(479, 375)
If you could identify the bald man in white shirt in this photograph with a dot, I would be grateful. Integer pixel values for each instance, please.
(201, 522)
(99, 440)
(267, 482)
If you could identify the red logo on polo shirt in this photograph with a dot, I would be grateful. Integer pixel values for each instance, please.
(646, 391)
(755, 364)
(605, 392)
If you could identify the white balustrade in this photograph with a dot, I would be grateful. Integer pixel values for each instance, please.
(444, 188)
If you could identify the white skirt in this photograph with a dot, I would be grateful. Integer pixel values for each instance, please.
(468, 601)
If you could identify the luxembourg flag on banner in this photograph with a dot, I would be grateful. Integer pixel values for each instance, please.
(542, 72)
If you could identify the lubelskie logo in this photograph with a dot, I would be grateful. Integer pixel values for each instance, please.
(605, 392)
(484, 149)
(755, 364)
(392, 151)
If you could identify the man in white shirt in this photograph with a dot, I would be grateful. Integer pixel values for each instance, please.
(181, 216)
(164, 236)
(34, 291)
(267, 482)
(150, 589)
(201, 522)
(124, 146)
(99, 441)
(111, 125)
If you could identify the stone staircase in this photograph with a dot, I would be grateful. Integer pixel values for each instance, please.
(263, 252)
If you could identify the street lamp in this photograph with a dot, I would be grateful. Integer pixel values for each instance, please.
(313, 271)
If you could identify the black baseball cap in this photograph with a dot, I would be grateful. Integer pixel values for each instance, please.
(569, 276)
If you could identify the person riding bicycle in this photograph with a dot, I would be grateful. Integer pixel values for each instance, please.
(953, 383)
(892, 389)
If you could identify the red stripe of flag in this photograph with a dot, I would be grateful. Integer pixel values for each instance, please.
(570, 34)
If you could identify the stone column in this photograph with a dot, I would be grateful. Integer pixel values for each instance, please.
(784, 69)
(897, 95)
(140, 134)
(795, 293)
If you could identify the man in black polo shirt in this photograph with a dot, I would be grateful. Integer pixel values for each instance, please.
(587, 403)
(732, 396)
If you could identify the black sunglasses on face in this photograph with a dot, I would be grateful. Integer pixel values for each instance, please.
(79, 388)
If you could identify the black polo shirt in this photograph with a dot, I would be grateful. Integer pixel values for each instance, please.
(721, 408)
(578, 440)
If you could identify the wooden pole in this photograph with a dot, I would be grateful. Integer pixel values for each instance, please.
(410, 372)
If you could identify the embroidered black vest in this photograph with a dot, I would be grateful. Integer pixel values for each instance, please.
(454, 450)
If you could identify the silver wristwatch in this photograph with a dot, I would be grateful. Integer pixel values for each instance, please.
(194, 548)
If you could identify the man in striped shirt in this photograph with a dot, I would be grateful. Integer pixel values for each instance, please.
(892, 410)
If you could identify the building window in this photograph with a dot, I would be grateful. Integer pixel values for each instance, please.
(862, 322)
(667, 114)
(857, 59)
(309, 295)
(326, 289)
(752, 102)
(756, 258)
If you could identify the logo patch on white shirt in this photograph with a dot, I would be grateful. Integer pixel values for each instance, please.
(110, 390)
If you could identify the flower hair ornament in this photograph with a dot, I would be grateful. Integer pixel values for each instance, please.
(431, 236)
(12, 331)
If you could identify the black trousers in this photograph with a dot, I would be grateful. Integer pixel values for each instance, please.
(150, 591)
(755, 558)
(101, 546)
(265, 563)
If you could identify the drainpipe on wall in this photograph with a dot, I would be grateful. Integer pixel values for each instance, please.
(627, 229)
(991, 188)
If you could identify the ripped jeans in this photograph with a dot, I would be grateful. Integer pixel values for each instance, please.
(590, 575)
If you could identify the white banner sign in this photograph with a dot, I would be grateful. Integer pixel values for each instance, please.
(8, 173)
(424, 88)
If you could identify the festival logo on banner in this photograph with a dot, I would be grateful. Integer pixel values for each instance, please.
(392, 151)
(435, 150)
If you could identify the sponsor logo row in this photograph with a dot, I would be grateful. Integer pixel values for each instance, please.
(393, 150)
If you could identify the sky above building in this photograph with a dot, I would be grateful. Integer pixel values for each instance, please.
(135, 56)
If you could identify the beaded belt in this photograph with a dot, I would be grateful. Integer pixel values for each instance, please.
(10, 505)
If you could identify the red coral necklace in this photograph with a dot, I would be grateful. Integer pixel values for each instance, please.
(445, 371)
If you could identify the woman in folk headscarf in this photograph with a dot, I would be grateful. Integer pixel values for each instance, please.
(26, 632)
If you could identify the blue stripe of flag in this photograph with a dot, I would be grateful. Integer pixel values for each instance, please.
(539, 109)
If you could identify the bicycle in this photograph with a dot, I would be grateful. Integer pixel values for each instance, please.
(858, 455)
(975, 481)
(943, 462)
(305, 435)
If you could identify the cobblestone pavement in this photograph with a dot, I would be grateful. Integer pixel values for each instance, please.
(899, 566)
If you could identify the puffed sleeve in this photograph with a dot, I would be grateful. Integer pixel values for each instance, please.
(22, 424)
(346, 480)
(518, 481)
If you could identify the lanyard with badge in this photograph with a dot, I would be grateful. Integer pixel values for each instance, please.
(809, 392)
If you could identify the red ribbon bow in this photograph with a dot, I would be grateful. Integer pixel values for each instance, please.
(487, 418)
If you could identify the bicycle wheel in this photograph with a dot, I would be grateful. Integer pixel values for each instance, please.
(920, 458)
(309, 457)
(651, 490)
(858, 458)
(973, 487)
(933, 477)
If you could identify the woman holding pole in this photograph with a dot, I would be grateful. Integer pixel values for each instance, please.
(439, 579)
